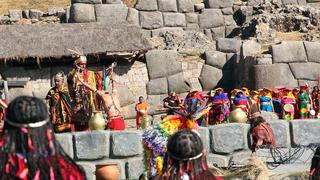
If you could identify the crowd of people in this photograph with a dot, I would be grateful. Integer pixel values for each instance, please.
(288, 104)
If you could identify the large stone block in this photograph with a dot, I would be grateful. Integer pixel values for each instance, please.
(81, 13)
(134, 167)
(216, 160)
(219, 32)
(167, 5)
(178, 83)
(65, 140)
(174, 19)
(205, 137)
(281, 133)
(228, 45)
(185, 6)
(126, 97)
(241, 157)
(210, 77)
(273, 75)
(216, 59)
(89, 168)
(305, 132)
(133, 16)
(306, 71)
(215, 4)
(87, 1)
(211, 18)
(313, 51)
(289, 52)
(111, 13)
(157, 86)
(92, 145)
(229, 21)
(151, 20)
(162, 63)
(126, 144)
(227, 138)
(147, 5)
(128, 111)
(192, 17)
(250, 48)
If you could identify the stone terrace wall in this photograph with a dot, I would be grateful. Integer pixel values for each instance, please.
(225, 144)
(292, 63)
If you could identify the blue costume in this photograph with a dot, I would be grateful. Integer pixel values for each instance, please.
(265, 104)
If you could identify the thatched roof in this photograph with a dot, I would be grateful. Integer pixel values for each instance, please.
(54, 40)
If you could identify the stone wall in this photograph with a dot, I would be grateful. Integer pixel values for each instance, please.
(291, 63)
(225, 144)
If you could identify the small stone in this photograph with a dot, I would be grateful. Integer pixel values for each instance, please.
(228, 45)
(185, 6)
(216, 59)
(174, 19)
(151, 20)
(227, 11)
(218, 32)
(192, 18)
(81, 13)
(229, 21)
(35, 13)
(147, 5)
(168, 5)
(211, 18)
(111, 13)
(15, 15)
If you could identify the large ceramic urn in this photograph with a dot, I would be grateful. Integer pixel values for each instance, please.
(107, 172)
(97, 122)
(238, 116)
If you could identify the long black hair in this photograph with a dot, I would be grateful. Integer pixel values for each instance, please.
(28, 149)
(186, 157)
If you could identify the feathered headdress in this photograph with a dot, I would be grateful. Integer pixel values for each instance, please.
(79, 55)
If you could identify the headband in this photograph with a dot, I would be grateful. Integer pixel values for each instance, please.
(28, 125)
(185, 159)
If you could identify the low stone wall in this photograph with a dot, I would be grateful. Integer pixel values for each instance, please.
(225, 144)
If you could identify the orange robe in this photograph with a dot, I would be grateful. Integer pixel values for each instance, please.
(141, 106)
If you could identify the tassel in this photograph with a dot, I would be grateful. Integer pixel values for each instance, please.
(180, 170)
(51, 174)
(30, 145)
(37, 176)
(7, 168)
(188, 166)
(203, 166)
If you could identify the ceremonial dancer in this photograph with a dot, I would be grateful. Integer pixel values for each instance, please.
(84, 101)
(304, 102)
(241, 101)
(28, 148)
(289, 102)
(171, 103)
(265, 101)
(220, 107)
(316, 99)
(142, 112)
(59, 102)
(110, 103)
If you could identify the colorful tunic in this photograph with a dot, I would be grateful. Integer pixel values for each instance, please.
(303, 102)
(60, 108)
(84, 101)
(265, 104)
(220, 109)
(241, 102)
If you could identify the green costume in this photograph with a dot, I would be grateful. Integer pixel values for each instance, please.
(303, 101)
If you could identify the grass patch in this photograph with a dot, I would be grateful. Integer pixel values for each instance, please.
(290, 36)
(43, 5)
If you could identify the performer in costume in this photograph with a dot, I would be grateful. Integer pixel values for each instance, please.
(295, 93)
(262, 134)
(3, 107)
(241, 101)
(171, 103)
(142, 111)
(220, 107)
(265, 101)
(28, 148)
(59, 103)
(289, 101)
(304, 101)
(83, 100)
(192, 101)
(316, 99)
(155, 138)
(277, 103)
(111, 105)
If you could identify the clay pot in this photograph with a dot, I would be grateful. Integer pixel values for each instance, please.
(107, 172)
(97, 122)
(238, 116)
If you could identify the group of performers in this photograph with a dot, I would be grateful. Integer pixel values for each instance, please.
(71, 105)
(297, 103)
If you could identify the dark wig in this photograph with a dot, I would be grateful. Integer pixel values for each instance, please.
(28, 149)
(185, 157)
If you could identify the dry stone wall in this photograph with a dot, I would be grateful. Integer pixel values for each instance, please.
(225, 144)
(293, 63)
